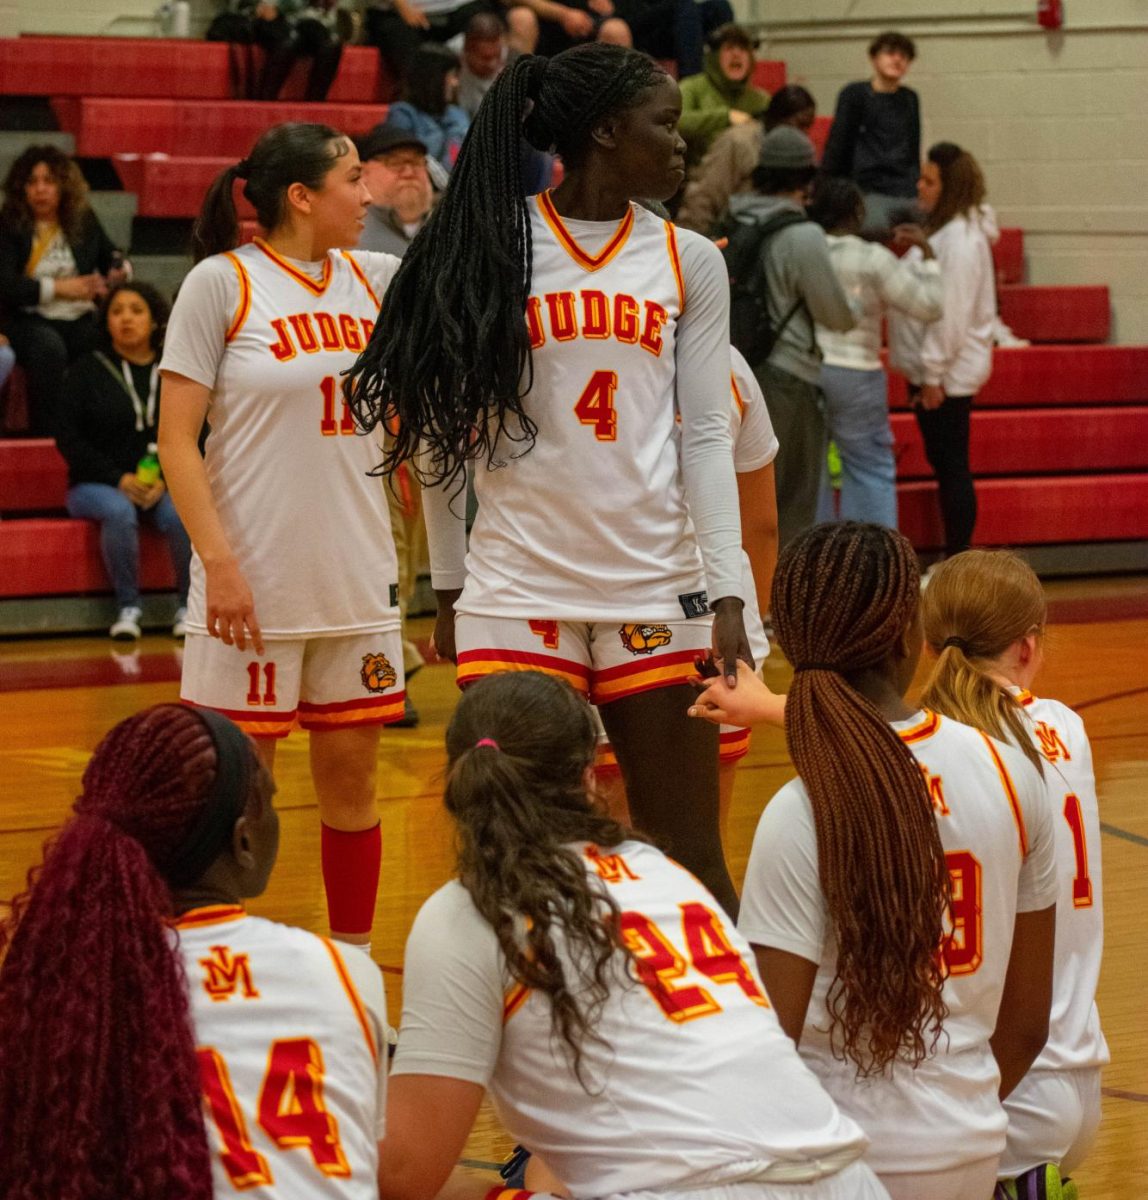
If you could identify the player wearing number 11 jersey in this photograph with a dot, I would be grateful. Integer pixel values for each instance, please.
(596, 989)
(293, 613)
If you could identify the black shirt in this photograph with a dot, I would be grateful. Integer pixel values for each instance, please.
(875, 139)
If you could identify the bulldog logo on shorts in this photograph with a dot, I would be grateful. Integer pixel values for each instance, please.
(645, 639)
(377, 673)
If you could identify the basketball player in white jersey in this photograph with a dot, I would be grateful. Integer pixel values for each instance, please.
(984, 614)
(552, 342)
(205, 1052)
(294, 614)
(595, 988)
(906, 831)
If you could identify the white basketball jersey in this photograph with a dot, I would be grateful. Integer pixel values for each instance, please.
(997, 835)
(591, 523)
(291, 1041)
(754, 446)
(1074, 1036)
(288, 472)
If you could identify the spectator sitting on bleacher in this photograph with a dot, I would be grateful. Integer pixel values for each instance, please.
(485, 51)
(109, 418)
(395, 172)
(721, 95)
(56, 261)
(428, 109)
(288, 29)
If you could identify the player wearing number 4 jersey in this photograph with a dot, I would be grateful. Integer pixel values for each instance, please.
(552, 342)
(156, 1041)
(596, 989)
(984, 614)
(900, 894)
(293, 614)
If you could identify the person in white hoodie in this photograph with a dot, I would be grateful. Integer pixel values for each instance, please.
(949, 361)
(853, 380)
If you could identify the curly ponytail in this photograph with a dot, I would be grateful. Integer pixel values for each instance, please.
(976, 605)
(100, 1096)
(519, 745)
(843, 596)
(449, 365)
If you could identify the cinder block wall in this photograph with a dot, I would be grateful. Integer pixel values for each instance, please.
(1056, 120)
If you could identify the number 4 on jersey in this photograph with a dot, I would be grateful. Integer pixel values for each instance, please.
(596, 405)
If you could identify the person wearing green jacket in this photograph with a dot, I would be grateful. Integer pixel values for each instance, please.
(722, 94)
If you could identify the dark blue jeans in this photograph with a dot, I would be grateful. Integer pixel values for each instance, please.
(119, 520)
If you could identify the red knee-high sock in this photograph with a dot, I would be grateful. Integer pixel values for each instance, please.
(351, 877)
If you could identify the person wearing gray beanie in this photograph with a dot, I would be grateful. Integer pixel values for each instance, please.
(800, 288)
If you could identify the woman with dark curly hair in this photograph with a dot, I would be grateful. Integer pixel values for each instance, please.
(595, 988)
(108, 425)
(56, 261)
(905, 833)
(549, 346)
(157, 1041)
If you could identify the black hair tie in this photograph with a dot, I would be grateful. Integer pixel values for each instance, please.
(222, 807)
(242, 169)
(959, 642)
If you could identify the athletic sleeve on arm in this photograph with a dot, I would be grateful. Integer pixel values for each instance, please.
(204, 311)
(1037, 886)
(452, 992)
(444, 514)
(369, 986)
(703, 374)
(782, 906)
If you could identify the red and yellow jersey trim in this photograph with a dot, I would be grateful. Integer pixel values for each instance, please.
(515, 999)
(1010, 793)
(588, 262)
(353, 996)
(475, 664)
(921, 731)
(498, 1192)
(370, 710)
(211, 914)
(1024, 697)
(256, 724)
(733, 744)
(243, 308)
(676, 263)
(662, 670)
(360, 275)
(737, 397)
(300, 277)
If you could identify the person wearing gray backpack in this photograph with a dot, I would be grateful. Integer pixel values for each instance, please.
(795, 286)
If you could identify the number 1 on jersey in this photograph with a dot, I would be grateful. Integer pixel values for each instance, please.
(596, 405)
(1081, 883)
(328, 425)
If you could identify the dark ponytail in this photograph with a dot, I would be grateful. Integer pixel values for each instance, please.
(843, 597)
(449, 362)
(295, 152)
(518, 745)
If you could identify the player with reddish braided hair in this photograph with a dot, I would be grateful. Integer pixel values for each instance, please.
(110, 1043)
(900, 895)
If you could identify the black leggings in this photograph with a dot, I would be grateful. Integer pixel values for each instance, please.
(44, 349)
(946, 434)
(285, 41)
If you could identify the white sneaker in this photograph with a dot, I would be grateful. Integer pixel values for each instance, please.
(1004, 337)
(127, 626)
(179, 624)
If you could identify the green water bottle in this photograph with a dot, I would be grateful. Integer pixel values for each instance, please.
(148, 472)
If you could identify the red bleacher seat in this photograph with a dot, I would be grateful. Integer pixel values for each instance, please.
(1008, 256)
(1026, 441)
(1056, 375)
(33, 476)
(104, 127)
(56, 556)
(769, 75)
(1056, 314)
(1047, 510)
(37, 65)
(173, 187)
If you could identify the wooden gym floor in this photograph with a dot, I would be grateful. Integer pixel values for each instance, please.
(58, 696)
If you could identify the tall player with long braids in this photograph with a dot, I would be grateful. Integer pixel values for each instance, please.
(905, 831)
(550, 343)
(984, 615)
(293, 608)
(157, 1041)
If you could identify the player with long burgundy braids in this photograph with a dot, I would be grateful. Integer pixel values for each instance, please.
(136, 995)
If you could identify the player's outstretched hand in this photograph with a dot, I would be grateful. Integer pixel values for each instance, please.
(231, 607)
(751, 704)
(730, 642)
(442, 641)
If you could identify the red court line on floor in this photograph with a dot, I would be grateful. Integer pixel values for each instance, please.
(1117, 1094)
(36, 674)
(1087, 610)
(1109, 698)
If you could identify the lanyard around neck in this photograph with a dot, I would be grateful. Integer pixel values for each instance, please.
(143, 413)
